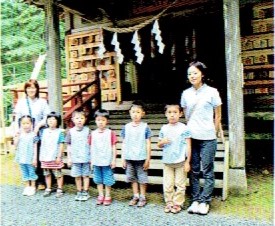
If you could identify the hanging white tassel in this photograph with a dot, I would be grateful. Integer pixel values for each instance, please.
(101, 50)
(115, 42)
(173, 57)
(157, 32)
(137, 48)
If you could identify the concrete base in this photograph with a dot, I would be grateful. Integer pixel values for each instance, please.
(237, 182)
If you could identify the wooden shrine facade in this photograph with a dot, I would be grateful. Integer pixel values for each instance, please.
(187, 31)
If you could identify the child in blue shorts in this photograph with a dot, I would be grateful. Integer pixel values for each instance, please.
(78, 150)
(25, 142)
(136, 153)
(103, 157)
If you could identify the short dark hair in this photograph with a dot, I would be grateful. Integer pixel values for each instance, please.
(202, 67)
(29, 84)
(138, 103)
(103, 113)
(173, 104)
(56, 116)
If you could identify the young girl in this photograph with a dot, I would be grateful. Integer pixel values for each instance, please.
(25, 142)
(103, 155)
(52, 145)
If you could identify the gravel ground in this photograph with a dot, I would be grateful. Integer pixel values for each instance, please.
(18, 210)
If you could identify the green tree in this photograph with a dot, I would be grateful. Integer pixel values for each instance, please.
(22, 41)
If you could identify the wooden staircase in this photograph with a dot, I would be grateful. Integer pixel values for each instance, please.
(87, 98)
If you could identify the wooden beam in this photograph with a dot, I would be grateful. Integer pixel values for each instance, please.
(53, 66)
(234, 83)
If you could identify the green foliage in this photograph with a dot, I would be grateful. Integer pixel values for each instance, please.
(22, 41)
(22, 32)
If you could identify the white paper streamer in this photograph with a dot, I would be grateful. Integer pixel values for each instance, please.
(137, 48)
(157, 32)
(101, 50)
(116, 43)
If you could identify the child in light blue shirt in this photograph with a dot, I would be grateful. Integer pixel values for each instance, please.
(136, 153)
(175, 139)
(25, 142)
(78, 150)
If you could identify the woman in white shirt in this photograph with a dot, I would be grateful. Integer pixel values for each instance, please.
(202, 107)
(37, 108)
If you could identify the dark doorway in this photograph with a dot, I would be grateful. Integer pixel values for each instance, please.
(162, 78)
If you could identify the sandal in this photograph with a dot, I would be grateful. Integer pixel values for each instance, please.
(107, 201)
(176, 209)
(100, 200)
(168, 208)
(133, 201)
(142, 202)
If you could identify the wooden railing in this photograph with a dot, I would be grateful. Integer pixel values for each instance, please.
(87, 98)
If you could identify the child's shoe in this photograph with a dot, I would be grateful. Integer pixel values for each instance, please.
(100, 200)
(176, 209)
(85, 196)
(26, 191)
(47, 192)
(78, 196)
(168, 207)
(107, 201)
(31, 191)
(59, 193)
(142, 202)
(133, 201)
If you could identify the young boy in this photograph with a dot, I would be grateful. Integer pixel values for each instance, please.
(103, 157)
(78, 150)
(136, 153)
(175, 139)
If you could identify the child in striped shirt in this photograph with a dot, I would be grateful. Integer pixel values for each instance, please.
(52, 145)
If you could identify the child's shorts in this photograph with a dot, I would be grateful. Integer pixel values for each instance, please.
(104, 175)
(135, 171)
(81, 170)
(28, 172)
(56, 172)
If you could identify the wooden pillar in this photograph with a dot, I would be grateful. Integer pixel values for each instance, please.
(3, 146)
(237, 175)
(53, 66)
